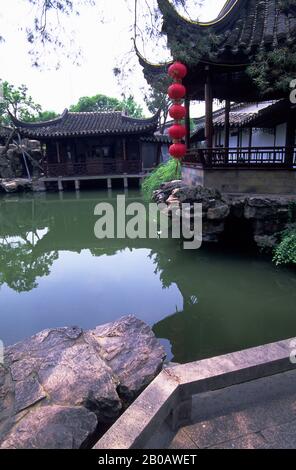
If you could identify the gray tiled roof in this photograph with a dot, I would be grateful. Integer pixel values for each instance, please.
(239, 117)
(242, 27)
(87, 124)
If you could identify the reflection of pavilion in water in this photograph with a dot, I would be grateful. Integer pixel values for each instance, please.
(225, 306)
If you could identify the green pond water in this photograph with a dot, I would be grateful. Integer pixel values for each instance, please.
(200, 303)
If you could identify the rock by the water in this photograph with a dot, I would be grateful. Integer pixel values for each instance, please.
(52, 427)
(56, 386)
(266, 215)
(15, 185)
(214, 209)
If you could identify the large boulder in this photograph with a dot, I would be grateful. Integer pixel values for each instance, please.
(57, 386)
(267, 216)
(215, 209)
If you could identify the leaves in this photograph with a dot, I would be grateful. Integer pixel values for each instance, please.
(18, 102)
(285, 252)
(100, 102)
(165, 172)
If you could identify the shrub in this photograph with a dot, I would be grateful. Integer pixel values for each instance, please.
(168, 171)
(285, 252)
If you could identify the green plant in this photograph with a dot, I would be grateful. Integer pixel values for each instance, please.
(292, 212)
(168, 171)
(285, 252)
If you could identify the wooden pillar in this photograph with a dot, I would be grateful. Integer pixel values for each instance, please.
(58, 152)
(158, 153)
(250, 137)
(209, 109)
(290, 139)
(250, 143)
(227, 124)
(124, 149)
(187, 122)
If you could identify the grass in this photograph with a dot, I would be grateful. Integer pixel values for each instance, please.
(165, 172)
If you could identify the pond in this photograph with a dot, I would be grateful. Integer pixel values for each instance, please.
(201, 303)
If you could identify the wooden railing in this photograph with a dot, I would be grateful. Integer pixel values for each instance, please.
(271, 157)
(93, 168)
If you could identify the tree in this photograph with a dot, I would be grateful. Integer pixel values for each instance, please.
(48, 26)
(106, 103)
(157, 99)
(18, 102)
(44, 116)
(21, 267)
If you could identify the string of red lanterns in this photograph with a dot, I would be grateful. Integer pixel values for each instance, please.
(177, 111)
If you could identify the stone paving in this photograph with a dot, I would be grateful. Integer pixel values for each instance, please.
(259, 414)
(256, 415)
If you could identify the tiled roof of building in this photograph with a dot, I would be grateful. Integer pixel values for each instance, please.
(87, 124)
(157, 138)
(243, 115)
(242, 27)
(231, 43)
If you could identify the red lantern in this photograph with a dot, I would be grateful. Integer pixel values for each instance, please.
(177, 70)
(176, 91)
(177, 132)
(177, 150)
(177, 112)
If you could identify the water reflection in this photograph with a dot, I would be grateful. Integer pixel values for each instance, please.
(54, 272)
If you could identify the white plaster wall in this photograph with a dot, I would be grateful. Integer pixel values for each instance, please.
(280, 139)
(263, 137)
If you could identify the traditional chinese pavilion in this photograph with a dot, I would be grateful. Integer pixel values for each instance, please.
(241, 30)
(94, 144)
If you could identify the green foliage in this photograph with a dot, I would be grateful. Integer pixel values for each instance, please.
(273, 70)
(157, 99)
(46, 116)
(168, 171)
(106, 103)
(20, 266)
(292, 212)
(285, 252)
(18, 102)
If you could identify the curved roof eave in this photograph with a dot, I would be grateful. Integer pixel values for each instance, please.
(33, 125)
(168, 9)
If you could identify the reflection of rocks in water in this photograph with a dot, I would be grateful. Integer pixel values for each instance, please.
(229, 300)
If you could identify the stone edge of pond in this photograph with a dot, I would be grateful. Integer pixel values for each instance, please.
(169, 396)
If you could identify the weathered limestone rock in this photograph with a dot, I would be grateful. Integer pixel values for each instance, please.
(52, 427)
(214, 209)
(219, 212)
(12, 164)
(15, 185)
(62, 382)
(267, 216)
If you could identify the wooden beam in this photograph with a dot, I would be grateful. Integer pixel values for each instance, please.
(209, 109)
(187, 122)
